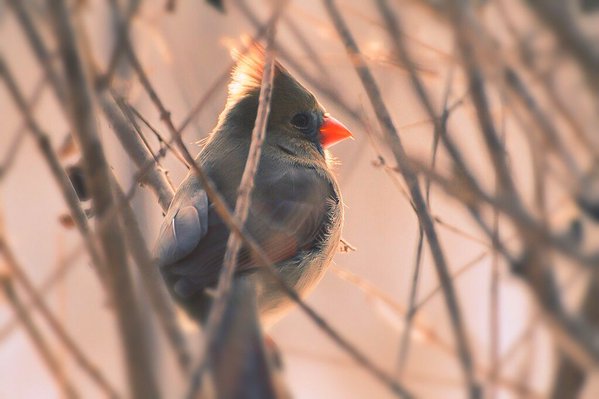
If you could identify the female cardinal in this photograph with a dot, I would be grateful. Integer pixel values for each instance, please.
(296, 210)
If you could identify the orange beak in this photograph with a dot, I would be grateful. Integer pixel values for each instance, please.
(332, 131)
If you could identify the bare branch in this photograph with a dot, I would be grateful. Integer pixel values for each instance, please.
(152, 283)
(82, 360)
(39, 48)
(558, 16)
(392, 139)
(121, 38)
(262, 259)
(155, 177)
(45, 287)
(324, 88)
(54, 367)
(83, 124)
(572, 334)
(242, 207)
(16, 143)
(68, 193)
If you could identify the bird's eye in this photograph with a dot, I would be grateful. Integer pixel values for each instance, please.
(301, 120)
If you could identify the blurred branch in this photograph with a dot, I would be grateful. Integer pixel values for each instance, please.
(155, 176)
(54, 367)
(311, 53)
(61, 178)
(570, 377)
(454, 275)
(526, 56)
(150, 174)
(494, 293)
(261, 258)
(17, 141)
(406, 336)
(557, 15)
(45, 288)
(506, 77)
(152, 283)
(18, 271)
(119, 44)
(468, 192)
(440, 128)
(83, 123)
(372, 292)
(543, 122)
(459, 13)
(394, 142)
(131, 111)
(484, 48)
(39, 48)
(510, 206)
(532, 267)
(422, 331)
(573, 334)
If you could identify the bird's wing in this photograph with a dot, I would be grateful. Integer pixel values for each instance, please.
(288, 214)
(184, 225)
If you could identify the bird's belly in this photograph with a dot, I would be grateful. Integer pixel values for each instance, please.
(302, 273)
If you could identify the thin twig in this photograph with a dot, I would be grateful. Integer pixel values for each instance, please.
(427, 184)
(83, 124)
(460, 13)
(423, 330)
(406, 336)
(222, 79)
(311, 54)
(39, 48)
(60, 176)
(242, 204)
(53, 365)
(542, 120)
(48, 283)
(261, 258)
(152, 282)
(18, 271)
(572, 334)
(17, 141)
(155, 177)
(458, 231)
(409, 176)
(324, 89)
(454, 275)
(558, 16)
(494, 293)
(121, 37)
(156, 133)
(371, 290)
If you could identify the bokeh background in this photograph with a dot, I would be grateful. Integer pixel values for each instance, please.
(365, 295)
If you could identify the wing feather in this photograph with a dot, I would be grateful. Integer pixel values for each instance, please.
(289, 208)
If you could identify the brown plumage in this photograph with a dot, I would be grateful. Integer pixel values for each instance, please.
(296, 212)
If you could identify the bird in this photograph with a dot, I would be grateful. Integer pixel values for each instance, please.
(296, 211)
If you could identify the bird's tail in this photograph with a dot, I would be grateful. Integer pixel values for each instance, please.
(240, 365)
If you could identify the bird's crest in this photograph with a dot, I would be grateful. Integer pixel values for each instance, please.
(249, 68)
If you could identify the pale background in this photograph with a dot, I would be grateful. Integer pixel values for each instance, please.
(183, 53)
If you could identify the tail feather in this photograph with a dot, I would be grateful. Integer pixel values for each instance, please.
(240, 366)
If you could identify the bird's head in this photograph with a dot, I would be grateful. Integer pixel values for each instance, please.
(297, 123)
